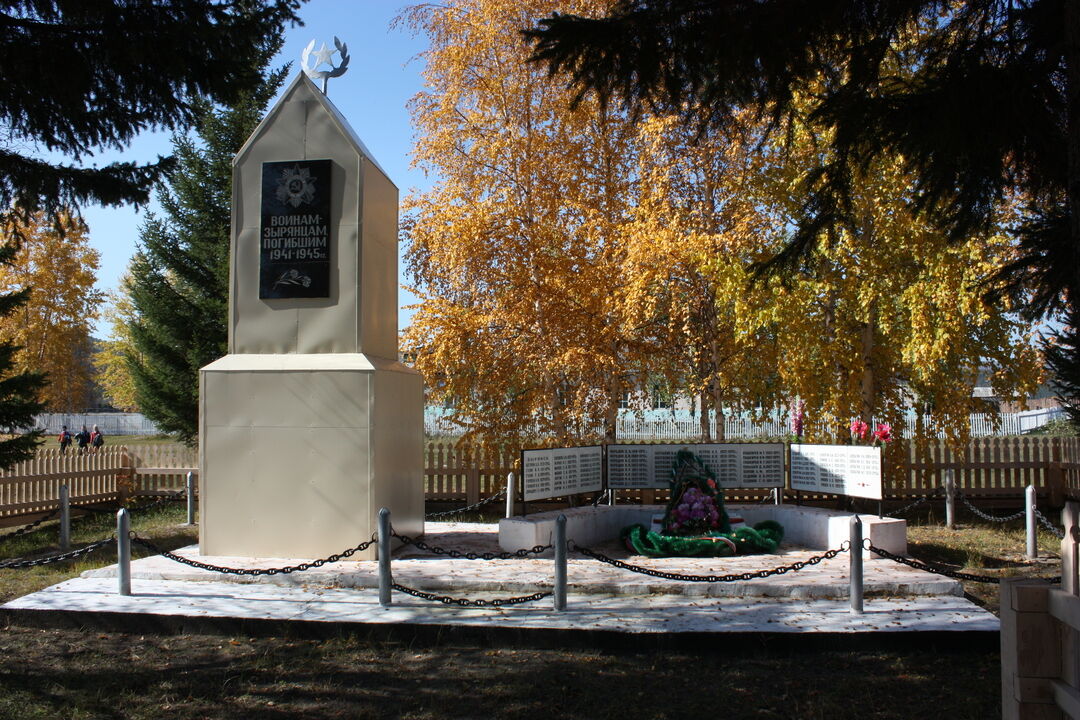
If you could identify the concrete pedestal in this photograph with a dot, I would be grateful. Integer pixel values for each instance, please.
(301, 451)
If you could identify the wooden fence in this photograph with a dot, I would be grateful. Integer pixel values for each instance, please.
(462, 473)
(993, 470)
(108, 475)
(989, 468)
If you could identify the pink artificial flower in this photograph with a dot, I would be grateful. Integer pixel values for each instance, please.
(883, 433)
(858, 429)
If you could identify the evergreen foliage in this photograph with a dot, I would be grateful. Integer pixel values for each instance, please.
(180, 276)
(992, 108)
(86, 75)
(19, 392)
(1063, 357)
(82, 76)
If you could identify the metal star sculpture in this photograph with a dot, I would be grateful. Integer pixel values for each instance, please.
(323, 56)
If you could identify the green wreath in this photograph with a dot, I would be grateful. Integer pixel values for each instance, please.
(764, 537)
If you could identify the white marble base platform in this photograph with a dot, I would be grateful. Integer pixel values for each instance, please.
(602, 597)
(654, 614)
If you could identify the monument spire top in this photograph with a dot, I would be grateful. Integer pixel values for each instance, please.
(323, 56)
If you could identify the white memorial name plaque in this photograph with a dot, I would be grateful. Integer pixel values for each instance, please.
(631, 464)
(557, 472)
(840, 469)
(736, 465)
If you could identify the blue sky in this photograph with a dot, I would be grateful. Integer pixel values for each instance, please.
(384, 73)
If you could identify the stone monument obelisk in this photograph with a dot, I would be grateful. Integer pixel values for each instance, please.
(310, 424)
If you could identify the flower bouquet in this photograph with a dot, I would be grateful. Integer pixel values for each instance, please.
(697, 504)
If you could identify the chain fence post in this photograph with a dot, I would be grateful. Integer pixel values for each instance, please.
(1029, 515)
(560, 562)
(190, 499)
(950, 500)
(855, 568)
(385, 578)
(65, 518)
(511, 489)
(123, 551)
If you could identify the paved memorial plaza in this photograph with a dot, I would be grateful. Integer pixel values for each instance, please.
(603, 599)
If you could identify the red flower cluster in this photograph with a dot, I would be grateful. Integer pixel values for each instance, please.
(882, 433)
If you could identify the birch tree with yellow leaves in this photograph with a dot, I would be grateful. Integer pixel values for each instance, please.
(53, 326)
(687, 250)
(886, 313)
(568, 253)
(516, 252)
(111, 359)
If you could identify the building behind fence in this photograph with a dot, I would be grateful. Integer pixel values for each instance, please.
(108, 423)
(652, 425)
(682, 426)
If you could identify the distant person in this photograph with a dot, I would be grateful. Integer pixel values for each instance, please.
(65, 440)
(83, 437)
(97, 439)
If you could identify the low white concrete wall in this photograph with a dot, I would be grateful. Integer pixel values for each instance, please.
(809, 527)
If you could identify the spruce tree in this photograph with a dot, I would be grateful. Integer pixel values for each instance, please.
(180, 274)
(81, 76)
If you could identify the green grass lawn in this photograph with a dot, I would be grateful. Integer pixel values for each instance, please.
(85, 674)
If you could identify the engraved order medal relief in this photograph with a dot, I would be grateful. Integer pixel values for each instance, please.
(294, 236)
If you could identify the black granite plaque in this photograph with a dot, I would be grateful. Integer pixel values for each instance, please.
(294, 252)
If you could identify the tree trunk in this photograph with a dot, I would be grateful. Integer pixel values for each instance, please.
(706, 432)
(869, 385)
(717, 393)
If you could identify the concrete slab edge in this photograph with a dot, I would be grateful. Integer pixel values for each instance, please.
(429, 634)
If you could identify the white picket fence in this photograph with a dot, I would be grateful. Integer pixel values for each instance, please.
(682, 426)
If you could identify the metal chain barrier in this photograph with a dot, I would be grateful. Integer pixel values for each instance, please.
(1046, 523)
(457, 554)
(31, 527)
(485, 501)
(919, 501)
(251, 571)
(61, 557)
(466, 602)
(734, 577)
(990, 518)
(937, 570)
(600, 498)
